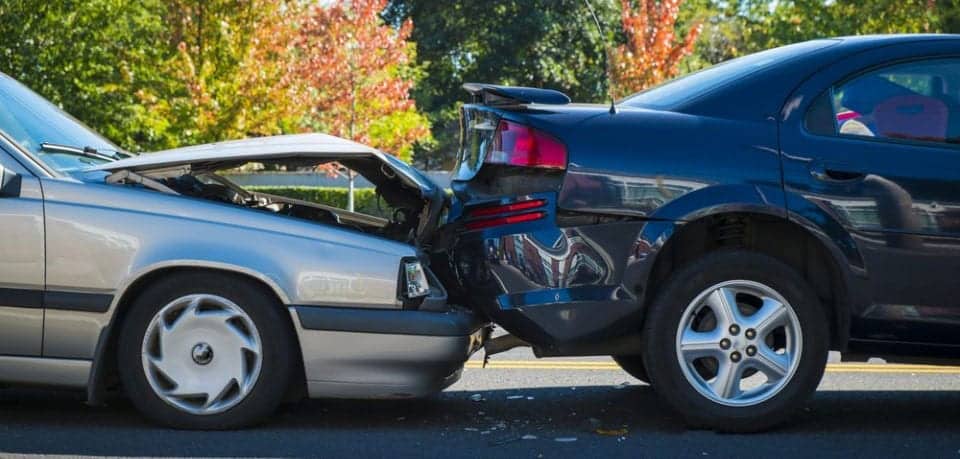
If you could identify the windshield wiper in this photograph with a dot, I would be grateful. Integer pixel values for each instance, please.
(88, 152)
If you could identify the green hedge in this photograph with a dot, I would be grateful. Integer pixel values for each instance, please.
(365, 199)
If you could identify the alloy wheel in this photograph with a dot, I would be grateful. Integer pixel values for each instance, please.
(739, 343)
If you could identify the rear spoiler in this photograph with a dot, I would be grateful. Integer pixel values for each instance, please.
(491, 94)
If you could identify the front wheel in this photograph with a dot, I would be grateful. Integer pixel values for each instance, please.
(206, 351)
(736, 341)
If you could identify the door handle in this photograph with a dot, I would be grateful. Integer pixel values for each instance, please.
(835, 172)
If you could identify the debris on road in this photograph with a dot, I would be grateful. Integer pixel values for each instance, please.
(611, 432)
(477, 397)
(622, 385)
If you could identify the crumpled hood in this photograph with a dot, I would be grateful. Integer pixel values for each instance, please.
(397, 182)
(226, 155)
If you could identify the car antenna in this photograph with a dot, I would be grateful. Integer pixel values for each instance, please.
(606, 57)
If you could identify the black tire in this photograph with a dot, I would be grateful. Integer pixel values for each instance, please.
(279, 350)
(663, 321)
(633, 365)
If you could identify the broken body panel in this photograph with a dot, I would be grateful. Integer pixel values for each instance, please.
(192, 171)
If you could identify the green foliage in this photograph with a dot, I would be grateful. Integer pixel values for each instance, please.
(365, 199)
(228, 59)
(949, 15)
(541, 43)
(157, 74)
(738, 27)
(799, 20)
(94, 58)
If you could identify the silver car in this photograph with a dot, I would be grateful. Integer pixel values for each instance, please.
(206, 303)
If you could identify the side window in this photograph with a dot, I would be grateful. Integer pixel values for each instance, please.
(915, 101)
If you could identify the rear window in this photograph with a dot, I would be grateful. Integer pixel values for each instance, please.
(694, 85)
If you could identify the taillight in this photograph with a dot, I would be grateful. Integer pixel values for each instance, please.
(500, 214)
(506, 208)
(517, 145)
(491, 222)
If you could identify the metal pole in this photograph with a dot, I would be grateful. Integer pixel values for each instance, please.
(350, 190)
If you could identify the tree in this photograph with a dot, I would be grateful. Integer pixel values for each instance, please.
(737, 27)
(793, 21)
(653, 49)
(231, 71)
(949, 15)
(157, 74)
(358, 73)
(93, 58)
(541, 43)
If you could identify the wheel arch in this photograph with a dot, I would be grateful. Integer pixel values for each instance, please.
(103, 368)
(765, 230)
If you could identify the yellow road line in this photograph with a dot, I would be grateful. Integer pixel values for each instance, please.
(610, 366)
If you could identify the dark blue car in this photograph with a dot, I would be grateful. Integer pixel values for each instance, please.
(720, 233)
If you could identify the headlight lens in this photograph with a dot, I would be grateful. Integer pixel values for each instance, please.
(416, 279)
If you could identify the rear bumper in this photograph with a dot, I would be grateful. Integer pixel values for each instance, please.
(383, 353)
(551, 285)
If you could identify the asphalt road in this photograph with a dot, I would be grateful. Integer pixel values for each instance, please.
(521, 407)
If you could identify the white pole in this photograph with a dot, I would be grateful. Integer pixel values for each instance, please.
(350, 190)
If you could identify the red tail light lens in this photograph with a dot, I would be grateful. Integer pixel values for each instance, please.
(491, 222)
(517, 145)
(506, 208)
(498, 211)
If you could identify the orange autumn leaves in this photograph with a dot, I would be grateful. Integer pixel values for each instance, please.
(358, 73)
(285, 66)
(652, 51)
(334, 67)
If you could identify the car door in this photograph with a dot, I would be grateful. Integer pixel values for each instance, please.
(878, 150)
(21, 260)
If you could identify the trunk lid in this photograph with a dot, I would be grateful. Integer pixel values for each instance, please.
(542, 109)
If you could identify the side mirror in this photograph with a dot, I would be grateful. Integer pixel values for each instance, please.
(9, 183)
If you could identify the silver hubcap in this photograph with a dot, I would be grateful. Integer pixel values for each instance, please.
(202, 354)
(739, 343)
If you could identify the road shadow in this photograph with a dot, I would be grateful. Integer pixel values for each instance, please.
(472, 424)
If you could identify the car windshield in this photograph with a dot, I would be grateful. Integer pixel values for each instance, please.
(692, 86)
(30, 120)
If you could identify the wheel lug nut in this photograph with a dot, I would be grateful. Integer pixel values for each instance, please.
(751, 351)
(735, 357)
(724, 344)
(750, 333)
(734, 329)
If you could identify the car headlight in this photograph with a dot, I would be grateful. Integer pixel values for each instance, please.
(416, 279)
